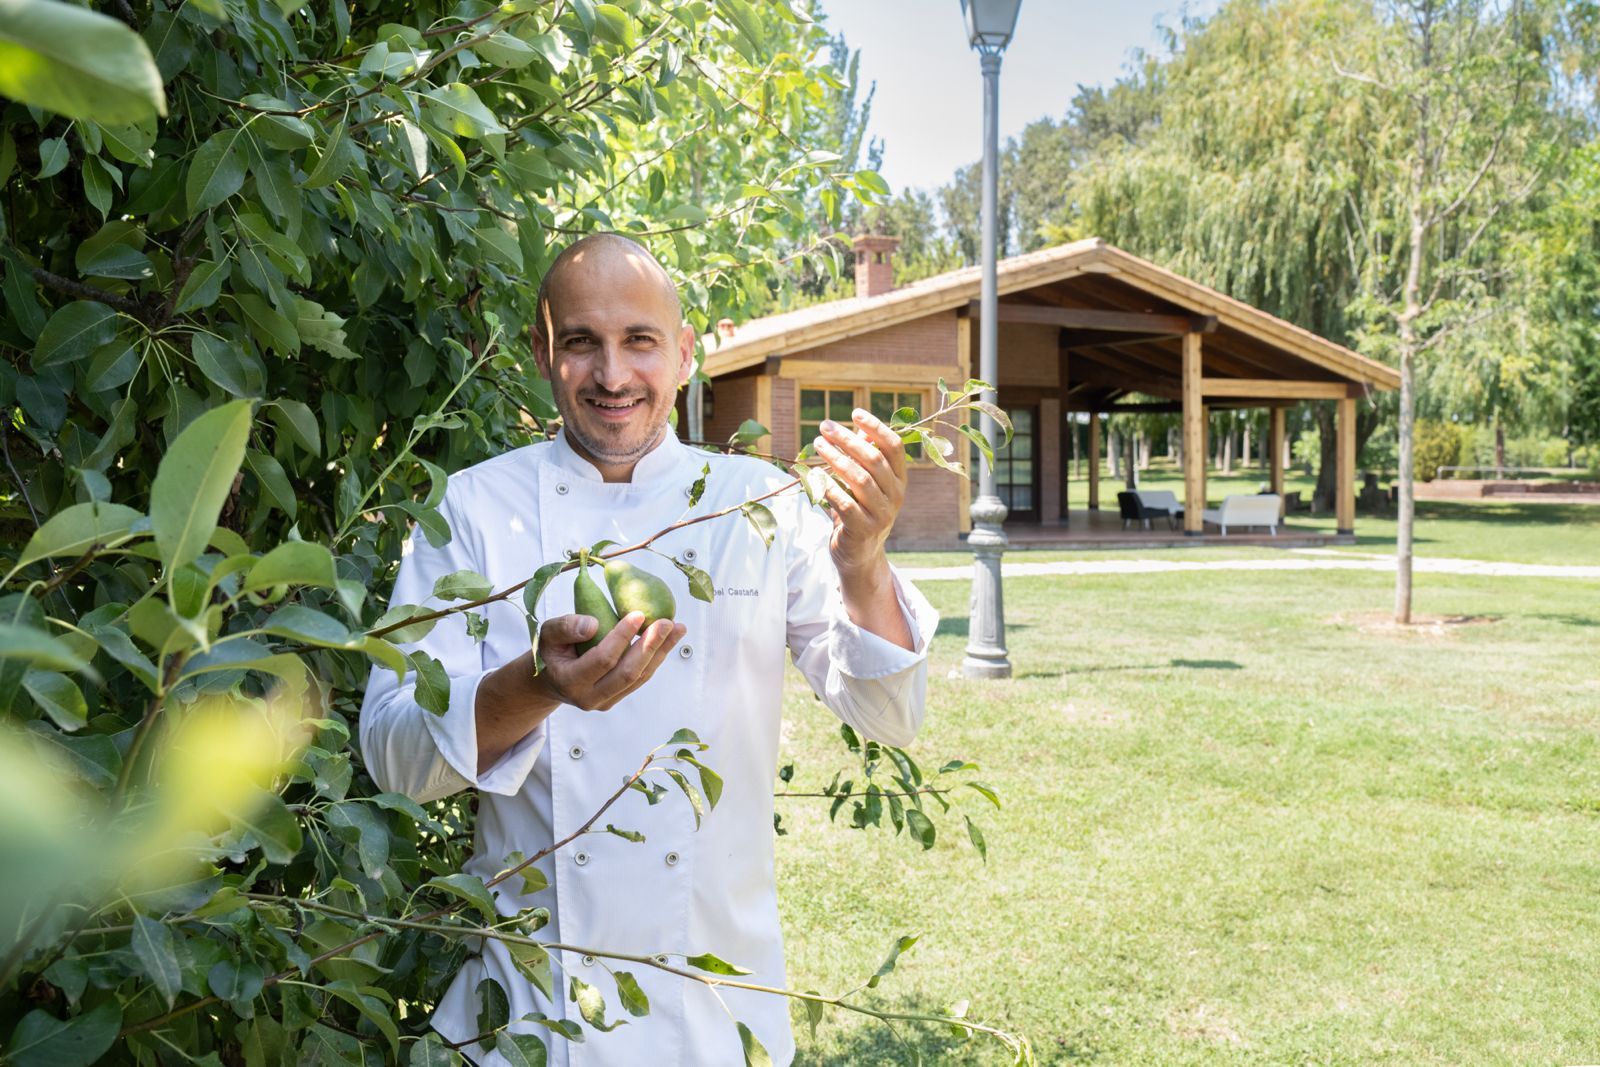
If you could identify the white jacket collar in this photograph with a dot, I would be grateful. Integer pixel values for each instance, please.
(658, 463)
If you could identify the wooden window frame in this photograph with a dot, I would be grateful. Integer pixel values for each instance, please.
(861, 397)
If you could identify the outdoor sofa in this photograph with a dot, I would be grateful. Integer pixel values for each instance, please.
(1246, 509)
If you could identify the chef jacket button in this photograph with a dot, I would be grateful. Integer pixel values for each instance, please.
(561, 488)
(662, 959)
(672, 859)
(685, 651)
(577, 752)
(580, 858)
(689, 554)
(588, 961)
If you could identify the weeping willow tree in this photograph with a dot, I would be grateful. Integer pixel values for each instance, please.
(1256, 174)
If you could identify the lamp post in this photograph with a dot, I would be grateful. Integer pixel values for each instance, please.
(989, 27)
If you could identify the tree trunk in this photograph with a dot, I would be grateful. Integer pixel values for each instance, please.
(1130, 460)
(1499, 447)
(1244, 452)
(1322, 498)
(1407, 322)
(1114, 453)
(1227, 448)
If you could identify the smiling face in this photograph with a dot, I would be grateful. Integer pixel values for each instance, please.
(612, 341)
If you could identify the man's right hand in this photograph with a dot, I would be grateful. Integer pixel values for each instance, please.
(512, 700)
(596, 680)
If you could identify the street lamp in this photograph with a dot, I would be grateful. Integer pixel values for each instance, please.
(989, 27)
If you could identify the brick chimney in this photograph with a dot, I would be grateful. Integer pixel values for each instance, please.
(874, 263)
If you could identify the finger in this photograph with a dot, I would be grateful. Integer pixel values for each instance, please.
(603, 658)
(848, 512)
(862, 485)
(882, 435)
(629, 672)
(657, 658)
(567, 630)
(864, 451)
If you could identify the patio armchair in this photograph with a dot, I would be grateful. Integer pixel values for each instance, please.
(1161, 502)
(1135, 509)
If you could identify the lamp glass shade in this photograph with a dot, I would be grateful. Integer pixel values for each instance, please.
(990, 23)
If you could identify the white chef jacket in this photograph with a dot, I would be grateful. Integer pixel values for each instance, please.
(680, 891)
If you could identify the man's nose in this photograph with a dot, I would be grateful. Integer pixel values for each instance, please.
(611, 370)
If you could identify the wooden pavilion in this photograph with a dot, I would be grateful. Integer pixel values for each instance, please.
(1083, 328)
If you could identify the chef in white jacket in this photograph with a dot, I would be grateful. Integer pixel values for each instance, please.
(545, 751)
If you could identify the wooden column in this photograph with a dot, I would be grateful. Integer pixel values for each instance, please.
(1094, 461)
(1345, 491)
(1275, 452)
(1194, 440)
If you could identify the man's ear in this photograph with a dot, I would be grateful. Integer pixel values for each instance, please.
(685, 355)
(541, 353)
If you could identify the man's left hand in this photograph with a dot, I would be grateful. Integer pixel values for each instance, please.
(870, 461)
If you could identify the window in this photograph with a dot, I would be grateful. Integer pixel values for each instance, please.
(885, 403)
(838, 402)
(819, 404)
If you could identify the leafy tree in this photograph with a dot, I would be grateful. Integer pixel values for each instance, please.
(268, 272)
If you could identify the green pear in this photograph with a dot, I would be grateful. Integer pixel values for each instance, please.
(590, 599)
(634, 589)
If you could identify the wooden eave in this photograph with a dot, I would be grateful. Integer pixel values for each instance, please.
(1250, 339)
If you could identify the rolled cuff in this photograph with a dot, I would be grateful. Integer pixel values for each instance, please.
(455, 733)
(860, 653)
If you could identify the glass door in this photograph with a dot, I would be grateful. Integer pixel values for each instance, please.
(1016, 469)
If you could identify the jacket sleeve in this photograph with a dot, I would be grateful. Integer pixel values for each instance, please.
(876, 686)
(407, 748)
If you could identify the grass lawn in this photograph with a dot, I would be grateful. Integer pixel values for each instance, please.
(1489, 530)
(1238, 828)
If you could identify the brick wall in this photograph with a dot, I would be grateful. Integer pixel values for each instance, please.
(928, 518)
(1049, 460)
(1030, 352)
(931, 341)
(735, 402)
(785, 419)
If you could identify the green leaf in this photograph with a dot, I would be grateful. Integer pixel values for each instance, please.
(522, 1050)
(430, 1051)
(685, 736)
(634, 1002)
(269, 472)
(887, 966)
(115, 260)
(986, 792)
(462, 585)
(194, 479)
(275, 829)
(469, 889)
(295, 418)
(58, 697)
(755, 1054)
(700, 585)
(73, 530)
(714, 965)
(229, 365)
(216, 172)
(814, 1011)
(995, 413)
(42, 1040)
(505, 50)
(405, 634)
(627, 835)
(710, 780)
(202, 288)
(53, 157)
(693, 795)
(73, 332)
(77, 63)
(457, 109)
(37, 648)
(975, 835)
(433, 684)
(760, 518)
(591, 1005)
(309, 625)
(494, 1011)
(292, 563)
(152, 944)
(921, 827)
(533, 963)
(535, 587)
(271, 328)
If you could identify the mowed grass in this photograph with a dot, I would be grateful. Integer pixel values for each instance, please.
(1482, 530)
(1238, 828)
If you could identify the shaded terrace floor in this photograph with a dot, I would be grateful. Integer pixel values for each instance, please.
(1103, 529)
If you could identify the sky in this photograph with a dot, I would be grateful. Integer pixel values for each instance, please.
(929, 104)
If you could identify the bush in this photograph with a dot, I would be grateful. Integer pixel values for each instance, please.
(1436, 444)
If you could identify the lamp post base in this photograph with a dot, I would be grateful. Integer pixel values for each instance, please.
(986, 646)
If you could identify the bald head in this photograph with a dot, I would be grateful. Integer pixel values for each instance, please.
(589, 259)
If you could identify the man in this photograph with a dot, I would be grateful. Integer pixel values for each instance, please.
(545, 750)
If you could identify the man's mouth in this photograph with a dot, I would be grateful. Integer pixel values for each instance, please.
(614, 408)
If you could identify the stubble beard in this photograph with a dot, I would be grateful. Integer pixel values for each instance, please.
(608, 450)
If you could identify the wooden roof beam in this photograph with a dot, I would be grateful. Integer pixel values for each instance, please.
(1277, 389)
(1095, 319)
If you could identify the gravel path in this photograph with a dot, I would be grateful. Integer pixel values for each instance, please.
(1319, 560)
